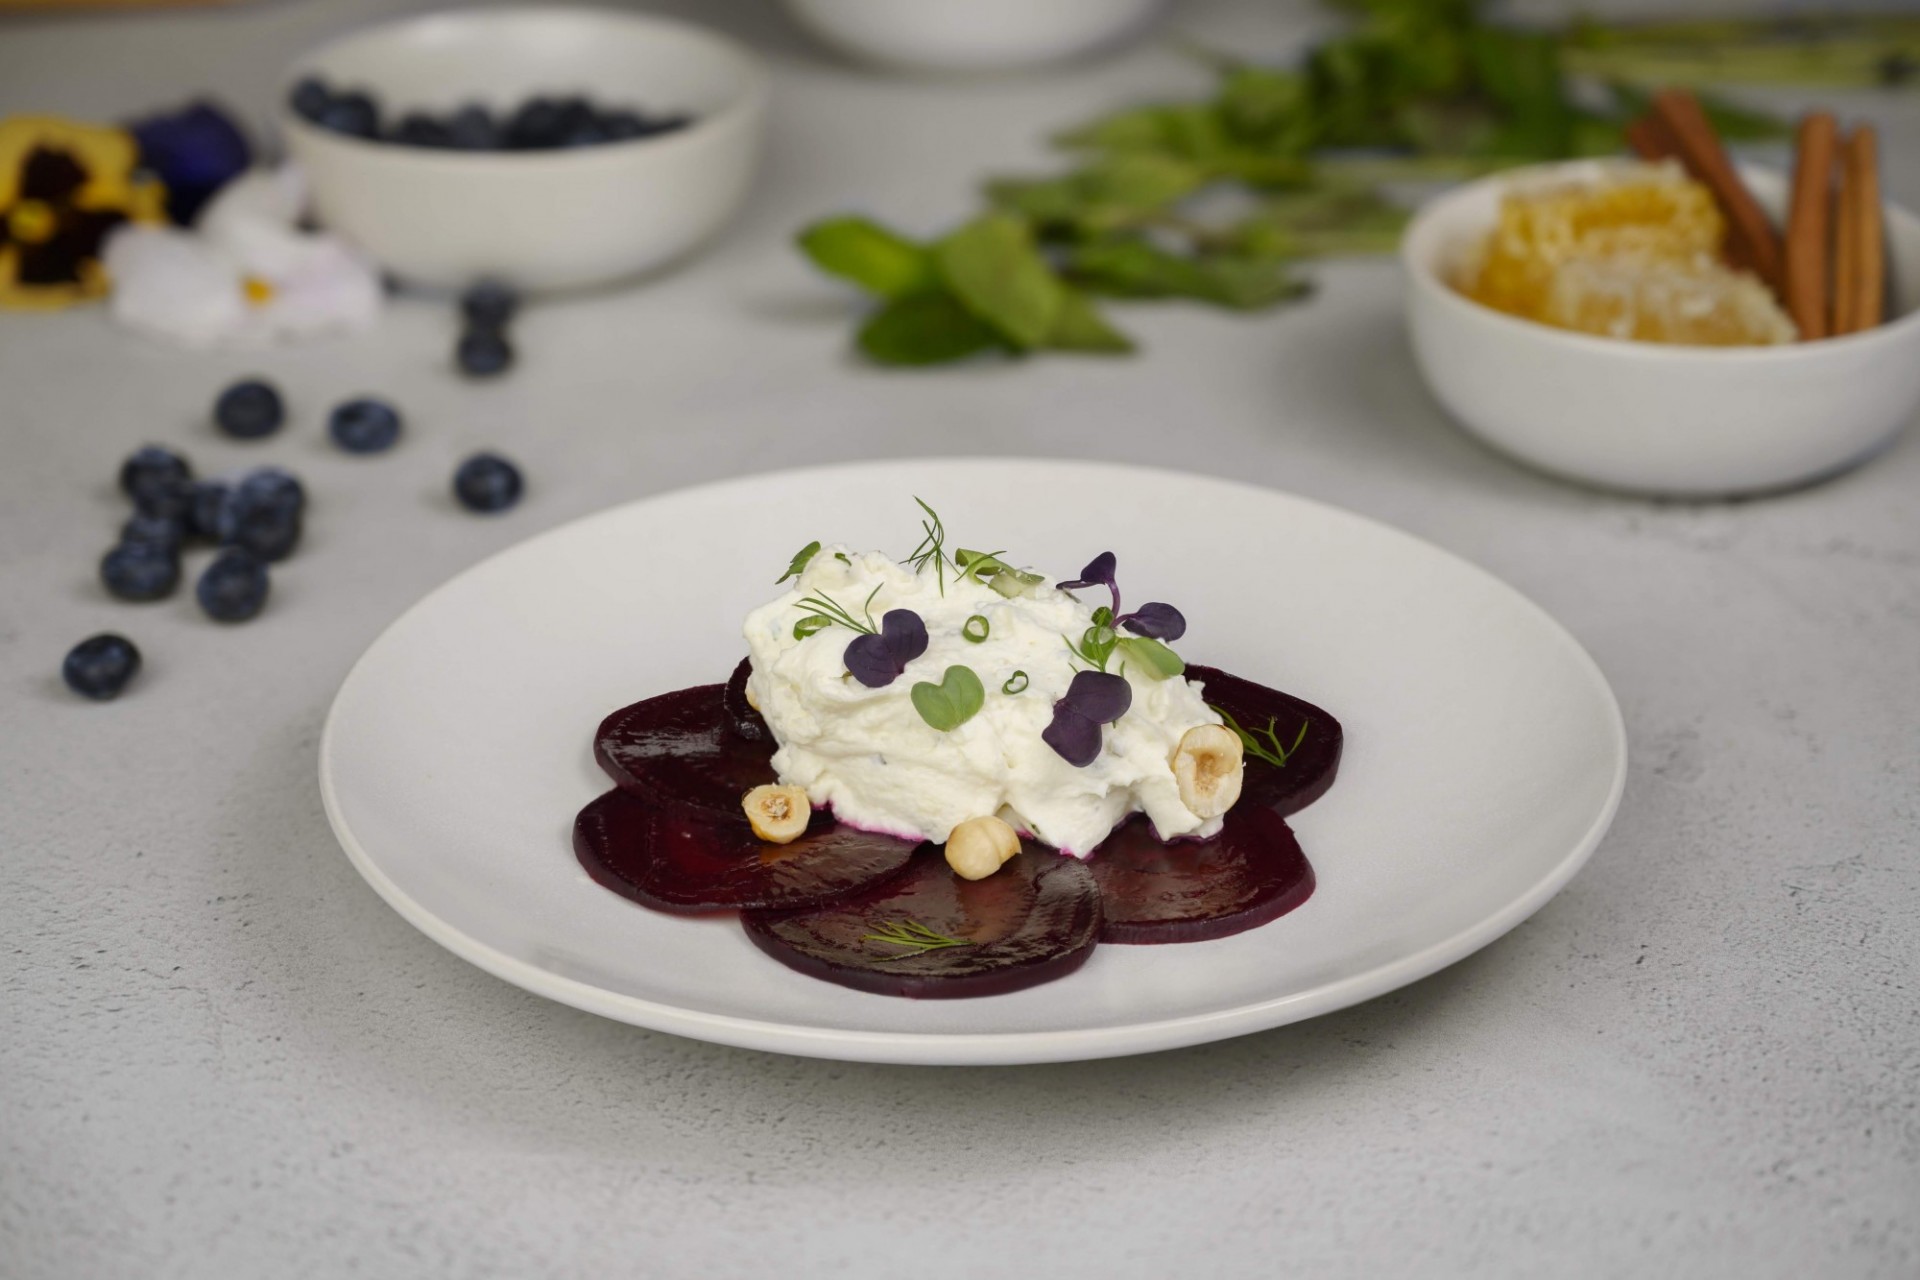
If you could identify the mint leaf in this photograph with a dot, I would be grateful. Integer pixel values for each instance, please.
(993, 268)
(869, 255)
(926, 328)
(951, 703)
(1081, 327)
(1133, 268)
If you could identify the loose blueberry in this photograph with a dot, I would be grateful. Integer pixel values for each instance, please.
(472, 128)
(249, 410)
(353, 113)
(162, 531)
(483, 353)
(310, 98)
(203, 517)
(365, 426)
(100, 666)
(418, 129)
(152, 470)
(234, 586)
(140, 571)
(489, 305)
(487, 482)
(539, 123)
(281, 486)
(262, 516)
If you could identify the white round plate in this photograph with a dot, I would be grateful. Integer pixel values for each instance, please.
(1484, 754)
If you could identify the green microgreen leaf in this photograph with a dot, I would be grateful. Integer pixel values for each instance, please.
(1016, 683)
(1152, 655)
(927, 328)
(951, 703)
(992, 266)
(911, 934)
(798, 564)
(975, 630)
(1271, 751)
(878, 260)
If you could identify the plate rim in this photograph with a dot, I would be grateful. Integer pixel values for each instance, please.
(999, 1048)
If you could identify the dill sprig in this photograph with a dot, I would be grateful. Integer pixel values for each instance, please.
(1273, 753)
(913, 935)
(932, 548)
(824, 611)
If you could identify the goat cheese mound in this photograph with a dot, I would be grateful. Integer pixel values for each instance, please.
(869, 756)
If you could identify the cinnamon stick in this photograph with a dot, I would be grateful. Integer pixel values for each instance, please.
(1751, 241)
(1650, 140)
(1809, 237)
(1860, 255)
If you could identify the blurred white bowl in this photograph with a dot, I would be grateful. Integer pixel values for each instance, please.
(969, 36)
(1652, 418)
(535, 219)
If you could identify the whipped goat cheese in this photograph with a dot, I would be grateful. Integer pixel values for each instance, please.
(868, 754)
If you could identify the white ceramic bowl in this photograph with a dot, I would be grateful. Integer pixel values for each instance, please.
(545, 219)
(962, 37)
(1649, 418)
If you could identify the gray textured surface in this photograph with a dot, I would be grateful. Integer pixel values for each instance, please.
(222, 1055)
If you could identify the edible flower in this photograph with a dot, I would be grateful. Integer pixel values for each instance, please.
(877, 658)
(63, 187)
(194, 152)
(1095, 698)
(1156, 621)
(246, 275)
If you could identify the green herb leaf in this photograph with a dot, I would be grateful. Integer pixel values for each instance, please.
(1016, 683)
(798, 565)
(1079, 326)
(876, 259)
(911, 934)
(975, 630)
(993, 268)
(1151, 655)
(1271, 751)
(831, 613)
(951, 703)
(927, 328)
(1139, 269)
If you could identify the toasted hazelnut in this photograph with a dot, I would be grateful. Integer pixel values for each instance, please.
(979, 847)
(1209, 765)
(778, 814)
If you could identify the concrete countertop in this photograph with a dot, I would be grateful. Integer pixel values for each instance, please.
(222, 1055)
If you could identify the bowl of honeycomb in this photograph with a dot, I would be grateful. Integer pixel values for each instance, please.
(1584, 319)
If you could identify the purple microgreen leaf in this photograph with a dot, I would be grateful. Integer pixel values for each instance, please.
(1099, 696)
(1073, 737)
(1098, 573)
(905, 634)
(1156, 621)
(871, 662)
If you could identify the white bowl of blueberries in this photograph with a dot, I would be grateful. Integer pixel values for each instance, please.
(543, 147)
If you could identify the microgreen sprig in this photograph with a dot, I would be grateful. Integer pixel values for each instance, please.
(876, 660)
(1273, 753)
(916, 937)
(1093, 699)
(932, 548)
(951, 703)
(829, 612)
(798, 564)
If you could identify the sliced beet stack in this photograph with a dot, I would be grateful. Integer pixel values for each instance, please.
(683, 748)
(688, 861)
(1034, 920)
(741, 717)
(1310, 766)
(1192, 890)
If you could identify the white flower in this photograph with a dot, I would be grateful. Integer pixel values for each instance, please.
(246, 275)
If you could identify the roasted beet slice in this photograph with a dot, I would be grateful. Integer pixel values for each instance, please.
(675, 858)
(741, 716)
(1034, 920)
(682, 748)
(1310, 767)
(1192, 890)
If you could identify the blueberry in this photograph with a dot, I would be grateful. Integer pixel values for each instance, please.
(310, 98)
(483, 353)
(418, 129)
(100, 666)
(140, 571)
(619, 126)
(472, 128)
(203, 517)
(234, 586)
(162, 531)
(487, 482)
(365, 426)
(262, 516)
(353, 113)
(489, 304)
(249, 410)
(153, 473)
(539, 123)
(280, 485)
